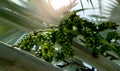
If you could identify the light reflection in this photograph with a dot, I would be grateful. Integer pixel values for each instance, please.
(59, 3)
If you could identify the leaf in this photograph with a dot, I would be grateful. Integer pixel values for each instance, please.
(11, 36)
(98, 16)
(91, 3)
(17, 20)
(81, 4)
(4, 28)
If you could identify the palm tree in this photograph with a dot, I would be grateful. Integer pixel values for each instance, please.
(16, 20)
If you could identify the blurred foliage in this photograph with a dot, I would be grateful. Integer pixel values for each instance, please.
(56, 43)
(20, 16)
(70, 26)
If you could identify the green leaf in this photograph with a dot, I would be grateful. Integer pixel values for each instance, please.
(11, 36)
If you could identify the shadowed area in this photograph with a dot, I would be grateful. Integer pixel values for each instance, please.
(6, 65)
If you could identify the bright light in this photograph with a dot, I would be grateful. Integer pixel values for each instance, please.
(59, 3)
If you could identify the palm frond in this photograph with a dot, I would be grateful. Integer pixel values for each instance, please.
(9, 34)
(29, 16)
(33, 14)
(113, 11)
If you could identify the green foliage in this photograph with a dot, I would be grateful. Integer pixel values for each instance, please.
(112, 35)
(70, 26)
(27, 43)
(107, 25)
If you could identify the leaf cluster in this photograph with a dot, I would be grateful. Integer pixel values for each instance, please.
(70, 26)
